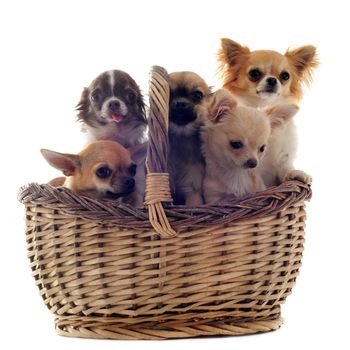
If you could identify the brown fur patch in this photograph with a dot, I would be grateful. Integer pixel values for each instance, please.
(236, 60)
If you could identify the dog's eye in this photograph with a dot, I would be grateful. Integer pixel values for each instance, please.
(284, 76)
(96, 96)
(197, 96)
(254, 74)
(130, 97)
(236, 144)
(262, 148)
(132, 169)
(103, 172)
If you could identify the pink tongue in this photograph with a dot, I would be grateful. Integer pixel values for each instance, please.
(117, 118)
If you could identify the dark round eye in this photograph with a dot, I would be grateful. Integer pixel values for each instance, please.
(236, 144)
(96, 96)
(103, 172)
(284, 76)
(197, 96)
(131, 97)
(262, 148)
(254, 74)
(132, 169)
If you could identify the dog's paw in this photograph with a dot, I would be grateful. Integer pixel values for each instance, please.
(193, 200)
(298, 175)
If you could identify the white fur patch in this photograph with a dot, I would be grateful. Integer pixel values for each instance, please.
(280, 154)
(111, 79)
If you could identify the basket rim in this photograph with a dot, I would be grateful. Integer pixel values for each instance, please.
(159, 213)
(252, 206)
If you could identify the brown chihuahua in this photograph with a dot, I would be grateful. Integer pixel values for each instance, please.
(104, 169)
(188, 91)
(263, 78)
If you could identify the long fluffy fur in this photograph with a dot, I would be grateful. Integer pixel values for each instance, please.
(234, 62)
(113, 86)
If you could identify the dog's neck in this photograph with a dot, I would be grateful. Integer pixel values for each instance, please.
(117, 132)
(233, 179)
(185, 144)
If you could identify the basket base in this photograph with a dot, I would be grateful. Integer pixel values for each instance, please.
(105, 328)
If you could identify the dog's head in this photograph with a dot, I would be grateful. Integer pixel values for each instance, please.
(264, 77)
(104, 169)
(237, 136)
(112, 98)
(187, 91)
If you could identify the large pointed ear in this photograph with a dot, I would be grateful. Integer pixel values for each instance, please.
(222, 103)
(67, 163)
(304, 60)
(281, 114)
(231, 52)
(138, 152)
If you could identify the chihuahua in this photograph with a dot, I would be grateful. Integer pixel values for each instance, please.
(235, 139)
(112, 108)
(265, 78)
(188, 91)
(104, 169)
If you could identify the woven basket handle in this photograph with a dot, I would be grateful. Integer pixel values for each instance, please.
(157, 178)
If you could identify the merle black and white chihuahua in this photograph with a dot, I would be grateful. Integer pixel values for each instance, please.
(112, 108)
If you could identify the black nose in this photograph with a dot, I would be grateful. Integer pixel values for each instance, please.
(251, 163)
(271, 81)
(180, 105)
(114, 105)
(128, 182)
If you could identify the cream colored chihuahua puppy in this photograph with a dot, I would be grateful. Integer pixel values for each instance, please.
(104, 169)
(234, 143)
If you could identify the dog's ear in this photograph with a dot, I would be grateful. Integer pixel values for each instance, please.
(222, 102)
(231, 57)
(138, 152)
(280, 114)
(304, 59)
(231, 52)
(67, 163)
(83, 105)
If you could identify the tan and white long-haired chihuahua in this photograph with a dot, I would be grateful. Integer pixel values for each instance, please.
(265, 78)
(235, 140)
(188, 91)
(103, 170)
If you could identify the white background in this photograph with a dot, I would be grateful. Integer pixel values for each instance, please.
(50, 50)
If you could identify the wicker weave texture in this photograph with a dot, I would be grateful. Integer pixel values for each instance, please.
(148, 328)
(109, 270)
(240, 272)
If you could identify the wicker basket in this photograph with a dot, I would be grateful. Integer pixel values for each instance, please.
(109, 270)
